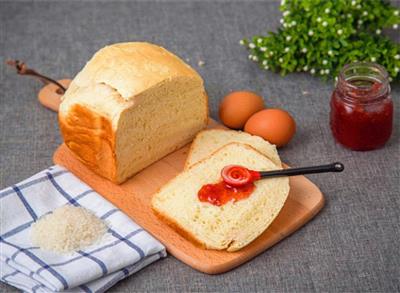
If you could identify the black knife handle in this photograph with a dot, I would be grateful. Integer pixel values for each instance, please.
(334, 167)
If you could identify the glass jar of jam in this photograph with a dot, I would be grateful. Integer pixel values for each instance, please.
(361, 114)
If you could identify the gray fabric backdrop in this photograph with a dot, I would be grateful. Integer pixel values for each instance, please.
(352, 245)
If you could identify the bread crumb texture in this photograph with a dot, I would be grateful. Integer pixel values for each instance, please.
(233, 225)
(67, 229)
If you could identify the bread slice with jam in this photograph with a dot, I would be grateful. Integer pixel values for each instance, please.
(230, 226)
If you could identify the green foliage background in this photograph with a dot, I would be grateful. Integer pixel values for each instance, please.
(321, 36)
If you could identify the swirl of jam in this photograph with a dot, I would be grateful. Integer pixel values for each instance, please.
(237, 183)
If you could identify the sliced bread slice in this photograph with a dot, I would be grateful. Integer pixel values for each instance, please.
(230, 226)
(207, 141)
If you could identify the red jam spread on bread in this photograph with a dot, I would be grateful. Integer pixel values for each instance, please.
(237, 184)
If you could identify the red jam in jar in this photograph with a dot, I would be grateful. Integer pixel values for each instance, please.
(237, 183)
(361, 115)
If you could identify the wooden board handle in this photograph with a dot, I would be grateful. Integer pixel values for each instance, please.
(50, 97)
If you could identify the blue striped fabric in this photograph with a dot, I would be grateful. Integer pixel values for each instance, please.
(125, 249)
(6, 192)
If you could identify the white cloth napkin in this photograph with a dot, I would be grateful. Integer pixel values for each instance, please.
(125, 249)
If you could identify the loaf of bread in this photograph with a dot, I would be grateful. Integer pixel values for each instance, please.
(132, 104)
(207, 141)
(230, 226)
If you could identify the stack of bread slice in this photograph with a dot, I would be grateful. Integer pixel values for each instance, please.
(235, 224)
(208, 141)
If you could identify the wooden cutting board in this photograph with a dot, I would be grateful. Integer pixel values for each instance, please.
(133, 197)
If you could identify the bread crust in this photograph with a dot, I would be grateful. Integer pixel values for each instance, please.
(191, 149)
(178, 228)
(206, 119)
(90, 136)
(136, 66)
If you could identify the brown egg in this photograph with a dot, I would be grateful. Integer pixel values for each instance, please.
(237, 107)
(274, 125)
